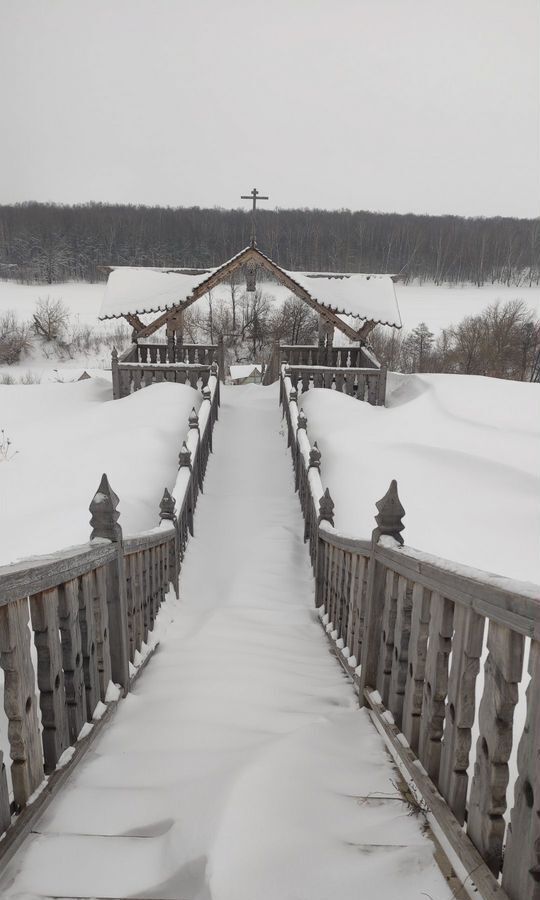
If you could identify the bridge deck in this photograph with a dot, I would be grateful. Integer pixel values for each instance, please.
(240, 767)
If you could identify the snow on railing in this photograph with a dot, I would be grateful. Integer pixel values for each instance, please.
(144, 364)
(411, 630)
(91, 611)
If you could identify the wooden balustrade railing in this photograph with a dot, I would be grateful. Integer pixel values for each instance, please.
(413, 631)
(90, 611)
(143, 365)
(337, 357)
(364, 384)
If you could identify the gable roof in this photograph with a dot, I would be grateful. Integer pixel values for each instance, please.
(135, 290)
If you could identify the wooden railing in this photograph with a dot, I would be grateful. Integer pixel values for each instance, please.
(411, 630)
(364, 384)
(312, 356)
(91, 611)
(143, 365)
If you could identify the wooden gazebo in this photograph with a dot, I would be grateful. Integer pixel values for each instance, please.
(352, 303)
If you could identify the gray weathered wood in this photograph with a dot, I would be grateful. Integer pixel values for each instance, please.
(521, 871)
(101, 621)
(487, 803)
(435, 684)
(20, 702)
(388, 626)
(416, 667)
(460, 708)
(402, 633)
(72, 654)
(50, 676)
(87, 598)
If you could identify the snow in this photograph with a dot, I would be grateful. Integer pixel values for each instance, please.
(244, 370)
(139, 290)
(464, 450)
(65, 436)
(366, 297)
(240, 768)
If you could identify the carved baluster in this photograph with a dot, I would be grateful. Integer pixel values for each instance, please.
(20, 701)
(387, 636)
(87, 593)
(137, 375)
(68, 610)
(402, 633)
(435, 684)
(139, 598)
(460, 708)
(487, 803)
(130, 567)
(521, 871)
(101, 621)
(5, 811)
(50, 677)
(416, 668)
(360, 588)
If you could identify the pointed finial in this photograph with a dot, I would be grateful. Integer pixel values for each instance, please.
(315, 457)
(326, 508)
(293, 395)
(214, 368)
(184, 457)
(390, 515)
(193, 419)
(105, 515)
(301, 421)
(167, 507)
(207, 393)
(114, 353)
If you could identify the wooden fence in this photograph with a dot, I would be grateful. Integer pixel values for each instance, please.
(143, 365)
(364, 384)
(311, 357)
(91, 610)
(411, 630)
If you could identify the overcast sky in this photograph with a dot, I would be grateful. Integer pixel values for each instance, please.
(407, 105)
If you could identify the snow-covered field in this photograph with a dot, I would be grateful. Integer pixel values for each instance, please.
(63, 437)
(465, 451)
(438, 306)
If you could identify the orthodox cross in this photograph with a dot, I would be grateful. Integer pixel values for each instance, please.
(253, 196)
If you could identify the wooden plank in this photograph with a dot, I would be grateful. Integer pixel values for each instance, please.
(68, 609)
(517, 610)
(521, 870)
(460, 709)
(487, 802)
(435, 684)
(20, 701)
(416, 668)
(388, 627)
(89, 642)
(31, 576)
(50, 676)
(101, 622)
(402, 633)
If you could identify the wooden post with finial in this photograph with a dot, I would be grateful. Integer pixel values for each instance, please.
(389, 523)
(115, 374)
(326, 514)
(105, 525)
(167, 513)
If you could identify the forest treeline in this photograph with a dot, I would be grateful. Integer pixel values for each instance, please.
(52, 243)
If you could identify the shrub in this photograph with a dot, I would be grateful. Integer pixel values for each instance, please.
(51, 319)
(15, 338)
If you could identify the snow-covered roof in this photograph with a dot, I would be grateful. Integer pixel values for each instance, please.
(363, 297)
(137, 290)
(242, 370)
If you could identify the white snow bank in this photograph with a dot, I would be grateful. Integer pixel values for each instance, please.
(465, 451)
(65, 436)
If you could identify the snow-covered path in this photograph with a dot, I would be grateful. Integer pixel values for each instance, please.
(240, 767)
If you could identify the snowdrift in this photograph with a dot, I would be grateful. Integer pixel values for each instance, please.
(465, 451)
(63, 437)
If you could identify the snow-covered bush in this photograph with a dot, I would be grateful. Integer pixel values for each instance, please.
(15, 338)
(51, 319)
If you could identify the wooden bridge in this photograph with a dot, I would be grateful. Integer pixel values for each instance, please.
(141, 769)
